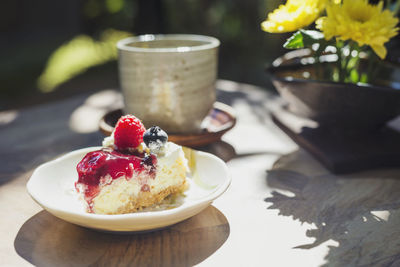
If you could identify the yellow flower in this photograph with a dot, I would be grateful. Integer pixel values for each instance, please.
(359, 21)
(294, 15)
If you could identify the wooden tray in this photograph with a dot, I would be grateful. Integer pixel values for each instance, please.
(220, 120)
(340, 151)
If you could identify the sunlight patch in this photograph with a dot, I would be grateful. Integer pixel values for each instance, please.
(381, 214)
(85, 119)
(8, 116)
(77, 56)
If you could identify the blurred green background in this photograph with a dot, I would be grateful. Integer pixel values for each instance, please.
(53, 49)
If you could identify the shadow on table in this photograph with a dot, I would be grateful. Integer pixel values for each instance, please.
(360, 211)
(45, 240)
(41, 133)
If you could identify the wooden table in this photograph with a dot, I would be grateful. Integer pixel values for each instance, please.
(282, 209)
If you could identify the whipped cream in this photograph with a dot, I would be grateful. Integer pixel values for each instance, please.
(108, 142)
(171, 152)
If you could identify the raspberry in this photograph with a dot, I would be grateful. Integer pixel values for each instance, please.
(128, 132)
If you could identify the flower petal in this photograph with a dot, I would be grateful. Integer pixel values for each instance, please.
(380, 50)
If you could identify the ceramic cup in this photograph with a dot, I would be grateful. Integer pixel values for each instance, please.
(169, 80)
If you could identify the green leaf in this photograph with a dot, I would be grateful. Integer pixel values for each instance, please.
(295, 41)
(304, 38)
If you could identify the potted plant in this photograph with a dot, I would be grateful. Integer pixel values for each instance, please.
(337, 75)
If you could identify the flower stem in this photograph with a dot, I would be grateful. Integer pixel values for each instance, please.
(339, 62)
(318, 64)
(351, 65)
(372, 66)
(396, 8)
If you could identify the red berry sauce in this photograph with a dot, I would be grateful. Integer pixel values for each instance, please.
(97, 166)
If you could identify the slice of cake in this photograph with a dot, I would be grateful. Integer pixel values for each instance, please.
(135, 169)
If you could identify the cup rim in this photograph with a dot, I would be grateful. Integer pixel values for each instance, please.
(212, 42)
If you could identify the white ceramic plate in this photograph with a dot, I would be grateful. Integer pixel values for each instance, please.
(52, 187)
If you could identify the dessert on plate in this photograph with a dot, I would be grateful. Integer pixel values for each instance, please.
(135, 169)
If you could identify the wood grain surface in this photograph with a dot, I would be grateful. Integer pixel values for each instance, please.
(283, 207)
(48, 241)
(343, 151)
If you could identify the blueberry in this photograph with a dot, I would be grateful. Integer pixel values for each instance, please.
(155, 136)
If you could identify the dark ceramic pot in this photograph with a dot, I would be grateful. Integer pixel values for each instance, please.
(332, 104)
